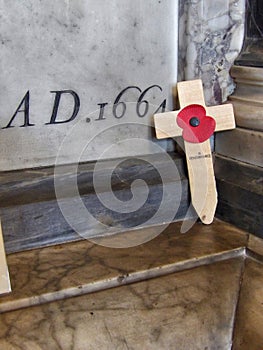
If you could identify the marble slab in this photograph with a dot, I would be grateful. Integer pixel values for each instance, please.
(255, 244)
(210, 38)
(188, 310)
(240, 192)
(241, 144)
(249, 319)
(72, 74)
(43, 275)
(81, 211)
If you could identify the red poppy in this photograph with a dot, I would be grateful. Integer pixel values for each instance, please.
(197, 126)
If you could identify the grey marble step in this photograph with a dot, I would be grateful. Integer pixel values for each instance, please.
(31, 216)
(240, 193)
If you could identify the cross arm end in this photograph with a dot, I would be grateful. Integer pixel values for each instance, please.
(166, 126)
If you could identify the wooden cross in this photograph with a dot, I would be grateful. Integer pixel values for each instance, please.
(196, 131)
(5, 286)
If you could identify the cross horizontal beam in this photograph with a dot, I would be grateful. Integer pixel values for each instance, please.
(166, 126)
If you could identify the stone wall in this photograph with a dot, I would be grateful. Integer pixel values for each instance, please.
(210, 38)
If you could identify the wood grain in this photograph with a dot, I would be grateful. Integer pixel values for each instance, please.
(223, 115)
(202, 179)
(5, 286)
(199, 158)
(166, 126)
(190, 92)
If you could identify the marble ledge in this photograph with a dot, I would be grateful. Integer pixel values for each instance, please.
(192, 309)
(255, 244)
(53, 273)
(249, 315)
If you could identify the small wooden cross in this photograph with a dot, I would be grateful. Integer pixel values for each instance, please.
(5, 286)
(196, 123)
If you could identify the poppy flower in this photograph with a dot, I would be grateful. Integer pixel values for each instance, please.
(197, 126)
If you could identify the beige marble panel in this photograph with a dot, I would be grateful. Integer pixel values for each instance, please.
(53, 273)
(249, 319)
(255, 244)
(189, 310)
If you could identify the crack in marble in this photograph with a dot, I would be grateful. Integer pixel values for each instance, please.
(120, 280)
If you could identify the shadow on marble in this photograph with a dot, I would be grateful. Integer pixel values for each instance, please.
(62, 271)
(189, 310)
(249, 318)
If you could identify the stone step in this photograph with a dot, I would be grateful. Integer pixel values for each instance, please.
(191, 309)
(201, 290)
(176, 291)
(247, 97)
(57, 272)
(31, 215)
(240, 194)
(241, 144)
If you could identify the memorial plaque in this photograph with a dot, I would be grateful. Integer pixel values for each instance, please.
(78, 77)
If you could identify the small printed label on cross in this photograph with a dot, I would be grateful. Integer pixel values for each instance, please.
(5, 286)
(196, 123)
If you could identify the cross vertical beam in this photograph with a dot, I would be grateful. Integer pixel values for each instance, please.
(198, 153)
(5, 286)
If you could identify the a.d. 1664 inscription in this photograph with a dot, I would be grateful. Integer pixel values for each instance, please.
(90, 66)
(119, 107)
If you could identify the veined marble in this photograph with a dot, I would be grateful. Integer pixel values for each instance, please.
(43, 275)
(189, 310)
(249, 317)
(210, 38)
(191, 305)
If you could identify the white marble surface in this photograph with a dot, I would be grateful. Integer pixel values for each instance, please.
(95, 48)
(210, 38)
